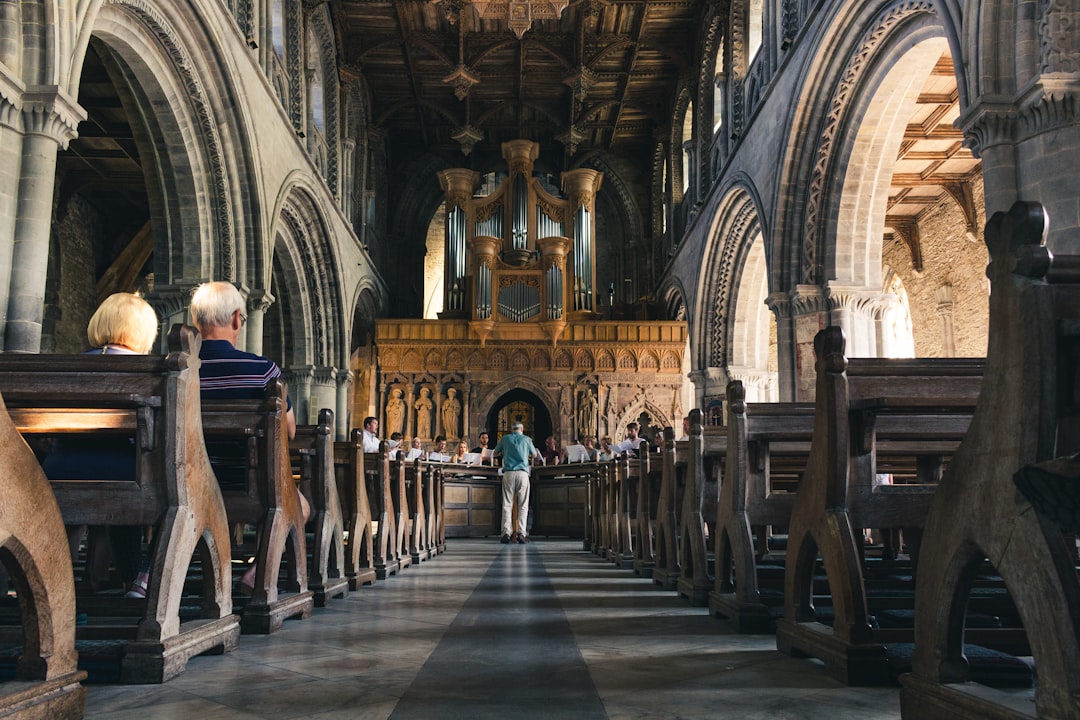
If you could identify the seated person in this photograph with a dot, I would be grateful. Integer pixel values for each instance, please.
(217, 310)
(460, 452)
(551, 452)
(124, 324)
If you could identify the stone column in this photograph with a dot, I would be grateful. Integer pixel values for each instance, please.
(258, 302)
(49, 119)
(787, 370)
(170, 302)
(857, 311)
(944, 297)
(348, 152)
(10, 163)
(341, 413)
(299, 380)
(323, 391)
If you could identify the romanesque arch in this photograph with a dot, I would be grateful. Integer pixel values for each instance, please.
(737, 228)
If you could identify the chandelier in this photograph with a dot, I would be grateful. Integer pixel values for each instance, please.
(518, 14)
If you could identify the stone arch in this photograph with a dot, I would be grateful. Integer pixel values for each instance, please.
(517, 382)
(675, 155)
(322, 28)
(198, 203)
(738, 222)
(301, 233)
(751, 352)
(865, 44)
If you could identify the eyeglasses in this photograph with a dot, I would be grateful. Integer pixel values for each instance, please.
(243, 318)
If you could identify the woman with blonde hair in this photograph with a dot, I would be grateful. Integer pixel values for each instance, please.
(124, 324)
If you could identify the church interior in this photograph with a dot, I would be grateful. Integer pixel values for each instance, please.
(825, 252)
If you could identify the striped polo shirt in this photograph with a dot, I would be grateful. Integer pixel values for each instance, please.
(231, 374)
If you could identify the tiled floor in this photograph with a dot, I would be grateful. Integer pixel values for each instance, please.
(502, 631)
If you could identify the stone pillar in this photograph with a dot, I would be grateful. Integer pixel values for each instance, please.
(323, 393)
(856, 310)
(299, 380)
(780, 305)
(341, 413)
(49, 119)
(258, 302)
(809, 314)
(348, 152)
(170, 302)
(10, 163)
(944, 297)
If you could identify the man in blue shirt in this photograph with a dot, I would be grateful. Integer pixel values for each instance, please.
(516, 450)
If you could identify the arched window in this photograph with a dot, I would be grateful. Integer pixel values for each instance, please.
(687, 140)
(718, 94)
(755, 31)
(277, 26)
(315, 75)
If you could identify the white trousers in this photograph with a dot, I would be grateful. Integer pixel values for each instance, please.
(515, 486)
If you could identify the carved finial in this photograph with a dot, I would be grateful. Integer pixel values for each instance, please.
(829, 345)
(1015, 241)
(736, 397)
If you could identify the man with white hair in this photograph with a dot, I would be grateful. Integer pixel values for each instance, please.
(217, 310)
(516, 450)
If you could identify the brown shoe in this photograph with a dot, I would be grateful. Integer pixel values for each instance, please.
(522, 539)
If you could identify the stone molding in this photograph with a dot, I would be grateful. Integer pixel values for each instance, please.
(48, 110)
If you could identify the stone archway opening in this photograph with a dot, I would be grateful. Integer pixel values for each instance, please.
(519, 405)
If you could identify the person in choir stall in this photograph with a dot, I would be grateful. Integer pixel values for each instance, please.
(124, 324)
(460, 451)
(517, 451)
(632, 441)
(591, 453)
(371, 435)
(482, 439)
(416, 449)
(551, 453)
(217, 310)
(439, 449)
(658, 441)
(685, 428)
(394, 444)
(606, 451)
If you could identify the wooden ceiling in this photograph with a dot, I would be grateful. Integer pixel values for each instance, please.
(609, 69)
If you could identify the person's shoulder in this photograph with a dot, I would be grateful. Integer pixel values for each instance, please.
(226, 350)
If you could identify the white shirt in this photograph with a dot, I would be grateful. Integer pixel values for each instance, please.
(371, 442)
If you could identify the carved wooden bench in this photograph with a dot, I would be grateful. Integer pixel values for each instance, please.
(646, 486)
(417, 478)
(155, 401)
(698, 514)
(1029, 412)
(768, 448)
(35, 553)
(381, 476)
(352, 486)
(912, 413)
(249, 445)
(622, 497)
(672, 486)
(312, 454)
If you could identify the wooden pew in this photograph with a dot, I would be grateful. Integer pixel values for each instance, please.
(1028, 413)
(352, 487)
(666, 569)
(867, 410)
(417, 476)
(155, 400)
(34, 551)
(312, 454)
(646, 488)
(694, 581)
(622, 497)
(377, 468)
(259, 490)
(768, 448)
(399, 541)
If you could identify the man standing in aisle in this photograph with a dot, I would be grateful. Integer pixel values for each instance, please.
(516, 450)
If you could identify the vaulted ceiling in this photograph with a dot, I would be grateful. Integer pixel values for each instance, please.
(603, 76)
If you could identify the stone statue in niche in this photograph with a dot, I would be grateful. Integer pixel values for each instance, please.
(586, 415)
(451, 411)
(423, 413)
(395, 412)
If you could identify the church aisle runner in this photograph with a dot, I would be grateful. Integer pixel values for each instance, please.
(508, 654)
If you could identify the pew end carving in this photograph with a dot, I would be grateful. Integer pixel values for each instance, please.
(312, 454)
(694, 580)
(352, 487)
(977, 511)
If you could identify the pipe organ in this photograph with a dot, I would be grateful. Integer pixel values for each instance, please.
(511, 269)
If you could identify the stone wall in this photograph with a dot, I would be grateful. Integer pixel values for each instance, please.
(950, 256)
(77, 238)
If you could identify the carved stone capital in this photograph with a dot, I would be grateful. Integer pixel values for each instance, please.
(48, 110)
(808, 299)
(259, 301)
